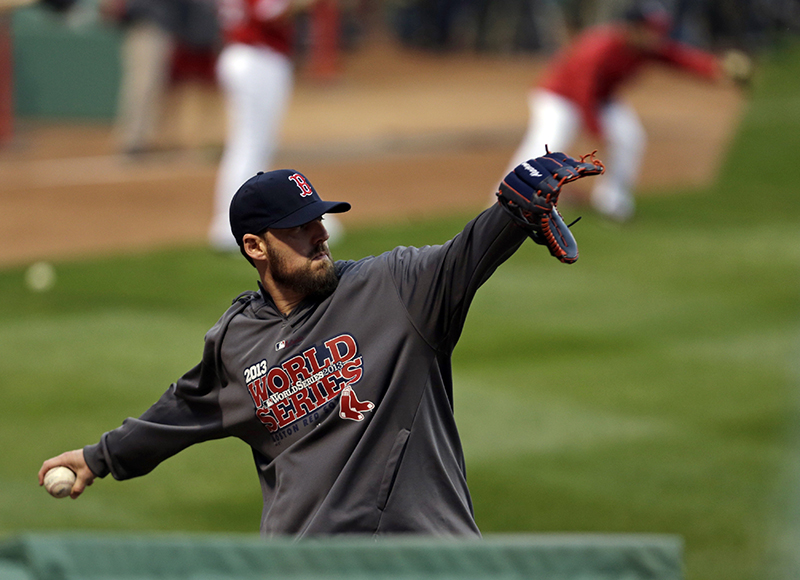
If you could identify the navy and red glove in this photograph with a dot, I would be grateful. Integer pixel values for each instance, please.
(530, 195)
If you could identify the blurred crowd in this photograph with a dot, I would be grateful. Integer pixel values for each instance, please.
(545, 25)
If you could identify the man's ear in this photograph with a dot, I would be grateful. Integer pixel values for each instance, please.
(255, 247)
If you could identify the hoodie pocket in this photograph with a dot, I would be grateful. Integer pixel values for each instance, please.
(392, 466)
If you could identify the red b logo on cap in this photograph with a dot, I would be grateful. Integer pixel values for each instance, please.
(300, 181)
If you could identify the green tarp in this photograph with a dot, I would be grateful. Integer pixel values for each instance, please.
(188, 557)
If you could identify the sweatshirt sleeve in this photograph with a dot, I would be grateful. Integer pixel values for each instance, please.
(437, 283)
(187, 413)
(588, 71)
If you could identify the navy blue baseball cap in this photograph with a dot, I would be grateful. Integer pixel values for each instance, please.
(283, 198)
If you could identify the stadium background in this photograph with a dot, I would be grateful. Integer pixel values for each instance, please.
(670, 347)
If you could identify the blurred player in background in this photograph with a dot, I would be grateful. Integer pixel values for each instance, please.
(579, 90)
(256, 73)
(151, 30)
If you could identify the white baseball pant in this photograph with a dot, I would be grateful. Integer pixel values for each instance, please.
(257, 85)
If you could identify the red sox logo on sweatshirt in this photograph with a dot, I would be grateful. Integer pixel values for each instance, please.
(298, 386)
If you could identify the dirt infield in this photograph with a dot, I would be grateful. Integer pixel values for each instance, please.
(398, 134)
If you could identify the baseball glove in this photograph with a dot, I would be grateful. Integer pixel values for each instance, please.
(737, 66)
(530, 196)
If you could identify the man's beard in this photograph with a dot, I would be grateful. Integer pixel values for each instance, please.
(308, 281)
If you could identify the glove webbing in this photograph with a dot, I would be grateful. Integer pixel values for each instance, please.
(533, 230)
(541, 234)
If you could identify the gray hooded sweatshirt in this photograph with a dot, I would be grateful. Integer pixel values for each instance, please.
(347, 402)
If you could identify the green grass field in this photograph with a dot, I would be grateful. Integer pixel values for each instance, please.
(651, 387)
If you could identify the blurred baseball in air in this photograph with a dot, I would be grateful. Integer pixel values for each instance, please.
(738, 66)
(40, 277)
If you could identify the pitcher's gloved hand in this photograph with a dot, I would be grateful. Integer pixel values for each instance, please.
(737, 66)
(530, 195)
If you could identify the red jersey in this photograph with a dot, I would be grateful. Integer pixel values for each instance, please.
(592, 68)
(257, 22)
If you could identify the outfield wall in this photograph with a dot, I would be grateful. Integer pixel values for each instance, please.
(132, 557)
(64, 68)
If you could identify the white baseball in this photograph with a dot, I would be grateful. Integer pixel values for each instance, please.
(41, 276)
(59, 481)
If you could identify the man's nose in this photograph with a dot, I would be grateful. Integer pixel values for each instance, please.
(319, 232)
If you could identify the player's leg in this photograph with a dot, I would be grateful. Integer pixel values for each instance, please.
(257, 84)
(553, 121)
(146, 54)
(626, 141)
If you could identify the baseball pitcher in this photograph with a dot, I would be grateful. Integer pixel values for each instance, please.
(338, 373)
